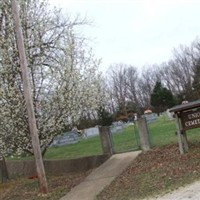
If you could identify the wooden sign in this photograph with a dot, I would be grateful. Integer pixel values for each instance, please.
(190, 119)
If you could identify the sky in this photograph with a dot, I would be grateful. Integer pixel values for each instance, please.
(136, 32)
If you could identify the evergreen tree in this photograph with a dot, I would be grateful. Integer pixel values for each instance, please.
(196, 81)
(161, 98)
(105, 118)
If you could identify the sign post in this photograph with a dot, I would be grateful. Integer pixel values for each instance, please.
(182, 138)
(187, 117)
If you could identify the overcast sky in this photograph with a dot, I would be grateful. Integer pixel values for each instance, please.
(137, 32)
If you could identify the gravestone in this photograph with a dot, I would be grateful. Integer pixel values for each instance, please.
(151, 117)
(91, 132)
(169, 114)
(65, 139)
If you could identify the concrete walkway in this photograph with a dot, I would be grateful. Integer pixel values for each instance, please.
(189, 192)
(101, 177)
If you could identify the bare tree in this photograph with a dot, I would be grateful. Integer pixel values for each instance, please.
(117, 74)
(146, 84)
(132, 81)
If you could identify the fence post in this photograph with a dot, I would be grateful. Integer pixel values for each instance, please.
(144, 134)
(106, 140)
(3, 170)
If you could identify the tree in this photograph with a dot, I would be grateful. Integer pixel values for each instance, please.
(161, 98)
(133, 103)
(63, 72)
(118, 82)
(105, 118)
(196, 79)
(146, 84)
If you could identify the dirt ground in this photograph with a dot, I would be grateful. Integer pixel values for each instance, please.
(159, 171)
(27, 189)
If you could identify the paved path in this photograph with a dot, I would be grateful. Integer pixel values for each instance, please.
(189, 192)
(101, 177)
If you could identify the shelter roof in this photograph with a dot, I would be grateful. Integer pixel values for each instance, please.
(187, 106)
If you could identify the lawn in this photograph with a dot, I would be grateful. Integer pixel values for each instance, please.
(162, 132)
(126, 140)
(86, 147)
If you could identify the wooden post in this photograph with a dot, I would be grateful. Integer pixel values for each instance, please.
(29, 101)
(144, 134)
(182, 139)
(106, 140)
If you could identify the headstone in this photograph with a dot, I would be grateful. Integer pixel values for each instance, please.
(152, 117)
(170, 114)
(90, 132)
(66, 138)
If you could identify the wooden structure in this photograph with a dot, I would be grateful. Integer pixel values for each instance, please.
(187, 117)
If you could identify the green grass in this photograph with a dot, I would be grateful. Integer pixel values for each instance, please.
(122, 141)
(126, 140)
(86, 147)
(162, 132)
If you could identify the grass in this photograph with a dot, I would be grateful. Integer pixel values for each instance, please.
(86, 147)
(162, 132)
(123, 141)
(126, 140)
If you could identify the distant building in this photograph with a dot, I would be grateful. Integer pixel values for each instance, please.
(148, 111)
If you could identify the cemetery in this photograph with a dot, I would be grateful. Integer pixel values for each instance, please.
(164, 144)
(136, 131)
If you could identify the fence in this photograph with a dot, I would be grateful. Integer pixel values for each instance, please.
(54, 167)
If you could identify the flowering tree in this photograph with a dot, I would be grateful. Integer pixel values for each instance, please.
(62, 70)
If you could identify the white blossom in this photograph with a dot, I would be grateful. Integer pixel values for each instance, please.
(62, 69)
